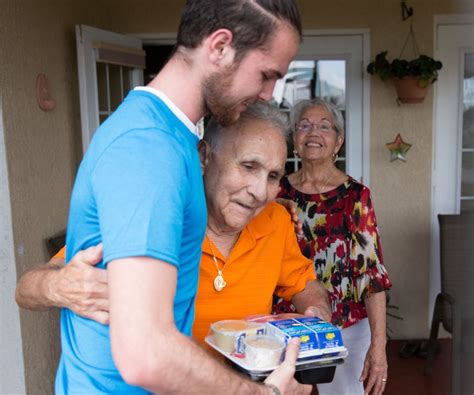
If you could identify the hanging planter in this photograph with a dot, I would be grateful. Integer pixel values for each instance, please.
(409, 89)
(412, 78)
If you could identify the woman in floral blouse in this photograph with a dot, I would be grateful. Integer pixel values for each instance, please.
(341, 237)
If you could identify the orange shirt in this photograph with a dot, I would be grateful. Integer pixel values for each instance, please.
(61, 253)
(265, 260)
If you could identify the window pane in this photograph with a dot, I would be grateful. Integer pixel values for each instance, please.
(467, 178)
(467, 206)
(297, 84)
(468, 101)
(102, 86)
(331, 82)
(307, 79)
(115, 83)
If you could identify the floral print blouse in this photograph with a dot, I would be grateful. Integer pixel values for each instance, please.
(341, 238)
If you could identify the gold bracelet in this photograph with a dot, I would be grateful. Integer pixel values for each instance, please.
(274, 388)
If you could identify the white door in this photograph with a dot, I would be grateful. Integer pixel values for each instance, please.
(109, 65)
(453, 148)
(330, 65)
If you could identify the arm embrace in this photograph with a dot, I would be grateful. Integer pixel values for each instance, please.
(78, 286)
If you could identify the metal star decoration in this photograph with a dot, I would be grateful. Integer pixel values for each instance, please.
(398, 149)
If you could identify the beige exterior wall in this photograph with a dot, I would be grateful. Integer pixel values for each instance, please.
(44, 149)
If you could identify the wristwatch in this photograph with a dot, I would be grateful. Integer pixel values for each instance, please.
(274, 388)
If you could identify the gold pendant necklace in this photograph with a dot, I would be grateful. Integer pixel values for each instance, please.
(219, 282)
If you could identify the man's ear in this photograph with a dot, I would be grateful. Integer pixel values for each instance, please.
(219, 47)
(204, 151)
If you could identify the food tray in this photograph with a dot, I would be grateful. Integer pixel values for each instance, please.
(319, 370)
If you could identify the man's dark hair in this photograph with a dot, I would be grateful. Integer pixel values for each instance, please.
(250, 21)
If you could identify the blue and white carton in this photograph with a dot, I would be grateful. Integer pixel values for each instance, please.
(318, 338)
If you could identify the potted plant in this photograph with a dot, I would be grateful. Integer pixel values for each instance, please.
(411, 78)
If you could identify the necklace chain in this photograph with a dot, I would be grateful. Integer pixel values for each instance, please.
(219, 282)
(326, 182)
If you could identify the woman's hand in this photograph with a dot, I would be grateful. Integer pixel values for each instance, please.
(292, 209)
(375, 370)
(375, 364)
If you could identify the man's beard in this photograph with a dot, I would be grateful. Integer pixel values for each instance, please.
(216, 100)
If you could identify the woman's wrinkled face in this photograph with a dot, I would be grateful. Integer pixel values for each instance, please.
(243, 176)
(315, 137)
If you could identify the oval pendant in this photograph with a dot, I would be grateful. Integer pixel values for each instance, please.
(219, 283)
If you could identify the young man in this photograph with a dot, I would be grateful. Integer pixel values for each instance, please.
(139, 191)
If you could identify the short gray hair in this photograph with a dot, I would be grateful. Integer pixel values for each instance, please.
(303, 105)
(258, 111)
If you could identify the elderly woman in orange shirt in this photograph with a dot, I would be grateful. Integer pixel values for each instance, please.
(250, 250)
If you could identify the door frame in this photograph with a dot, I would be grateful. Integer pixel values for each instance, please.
(87, 37)
(447, 203)
(170, 38)
(12, 371)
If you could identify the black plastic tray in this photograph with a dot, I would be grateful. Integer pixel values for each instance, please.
(312, 374)
(316, 371)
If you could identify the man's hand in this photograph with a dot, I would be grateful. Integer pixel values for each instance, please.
(322, 312)
(82, 288)
(292, 209)
(282, 377)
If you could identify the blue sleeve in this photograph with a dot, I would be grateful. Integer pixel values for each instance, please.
(140, 188)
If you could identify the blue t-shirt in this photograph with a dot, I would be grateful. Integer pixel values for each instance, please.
(139, 191)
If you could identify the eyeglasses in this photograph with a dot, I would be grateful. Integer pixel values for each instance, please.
(307, 126)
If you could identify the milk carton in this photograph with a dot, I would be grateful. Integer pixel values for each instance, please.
(317, 338)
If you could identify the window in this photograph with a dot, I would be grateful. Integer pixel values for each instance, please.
(109, 65)
(467, 147)
(113, 84)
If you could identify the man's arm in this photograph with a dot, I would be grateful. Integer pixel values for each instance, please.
(78, 286)
(313, 301)
(150, 352)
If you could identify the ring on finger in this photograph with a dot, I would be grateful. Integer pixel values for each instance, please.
(384, 380)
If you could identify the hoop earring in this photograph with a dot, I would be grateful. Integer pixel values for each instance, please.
(334, 157)
(295, 153)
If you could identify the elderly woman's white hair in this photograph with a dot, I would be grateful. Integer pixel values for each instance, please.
(258, 111)
(300, 108)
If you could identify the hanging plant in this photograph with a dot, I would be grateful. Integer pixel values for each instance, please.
(411, 77)
(424, 68)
